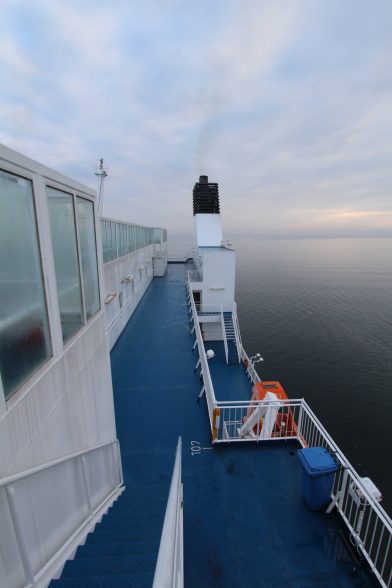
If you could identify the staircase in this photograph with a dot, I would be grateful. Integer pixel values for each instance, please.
(122, 550)
(232, 353)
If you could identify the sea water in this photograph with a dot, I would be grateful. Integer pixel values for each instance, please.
(320, 314)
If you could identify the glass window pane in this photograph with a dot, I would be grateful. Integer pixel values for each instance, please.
(88, 255)
(62, 224)
(122, 239)
(114, 241)
(104, 241)
(24, 331)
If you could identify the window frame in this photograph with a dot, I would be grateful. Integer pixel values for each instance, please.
(31, 176)
(66, 189)
(87, 320)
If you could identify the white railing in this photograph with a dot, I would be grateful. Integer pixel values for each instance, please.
(169, 571)
(208, 309)
(370, 527)
(234, 414)
(207, 388)
(44, 508)
(180, 258)
(224, 334)
(237, 331)
(250, 369)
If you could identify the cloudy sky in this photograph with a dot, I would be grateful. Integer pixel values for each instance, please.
(287, 104)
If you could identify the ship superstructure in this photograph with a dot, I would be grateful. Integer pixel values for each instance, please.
(93, 490)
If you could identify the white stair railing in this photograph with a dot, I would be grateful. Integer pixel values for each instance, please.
(74, 483)
(237, 331)
(224, 334)
(207, 388)
(169, 571)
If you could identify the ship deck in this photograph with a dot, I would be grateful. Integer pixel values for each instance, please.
(245, 522)
(230, 381)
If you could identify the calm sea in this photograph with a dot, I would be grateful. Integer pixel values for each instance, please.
(320, 314)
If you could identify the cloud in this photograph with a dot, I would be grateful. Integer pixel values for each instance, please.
(287, 105)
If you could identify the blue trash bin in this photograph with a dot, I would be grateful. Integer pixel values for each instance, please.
(318, 472)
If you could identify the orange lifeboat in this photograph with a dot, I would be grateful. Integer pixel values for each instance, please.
(285, 425)
(260, 389)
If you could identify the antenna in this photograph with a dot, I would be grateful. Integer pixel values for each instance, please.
(101, 173)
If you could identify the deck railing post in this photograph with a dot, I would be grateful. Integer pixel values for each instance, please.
(299, 424)
(85, 483)
(27, 569)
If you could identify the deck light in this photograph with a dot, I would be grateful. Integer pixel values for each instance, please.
(210, 354)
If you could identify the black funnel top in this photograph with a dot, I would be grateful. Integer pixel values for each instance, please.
(205, 197)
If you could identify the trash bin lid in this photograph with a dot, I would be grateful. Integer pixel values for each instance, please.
(317, 461)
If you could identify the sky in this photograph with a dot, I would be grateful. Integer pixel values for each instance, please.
(286, 104)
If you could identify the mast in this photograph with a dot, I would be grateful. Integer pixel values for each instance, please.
(101, 173)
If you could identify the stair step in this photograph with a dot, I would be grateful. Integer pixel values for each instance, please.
(146, 496)
(135, 515)
(121, 548)
(115, 564)
(120, 536)
(131, 525)
(138, 506)
(133, 533)
(143, 580)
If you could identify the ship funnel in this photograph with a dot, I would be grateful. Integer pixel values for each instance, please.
(206, 214)
(205, 197)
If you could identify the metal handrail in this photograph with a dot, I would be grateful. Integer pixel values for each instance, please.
(137, 295)
(181, 258)
(350, 498)
(369, 525)
(23, 535)
(237, 331)
(169, 571)
(208, 386)
(224, 334)
(208, 309)
(254, 376)
(45, 466)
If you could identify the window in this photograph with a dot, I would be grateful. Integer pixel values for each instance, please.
(66, 237)
(88, 255)
(63, 229)
(24, 330)
(119, 239)
(104, 231)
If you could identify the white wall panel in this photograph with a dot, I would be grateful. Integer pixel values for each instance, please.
(69, 408)
(65, 407)
(114, 273)
(218, 277)
(11, 575)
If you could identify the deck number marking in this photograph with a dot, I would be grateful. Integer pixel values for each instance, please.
(196, 448)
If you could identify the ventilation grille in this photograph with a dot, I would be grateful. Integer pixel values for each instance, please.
(205, 197)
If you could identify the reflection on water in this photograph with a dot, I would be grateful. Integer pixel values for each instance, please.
(320, 313)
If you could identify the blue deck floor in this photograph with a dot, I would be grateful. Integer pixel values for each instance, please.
(230, 381)
(245, 522)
